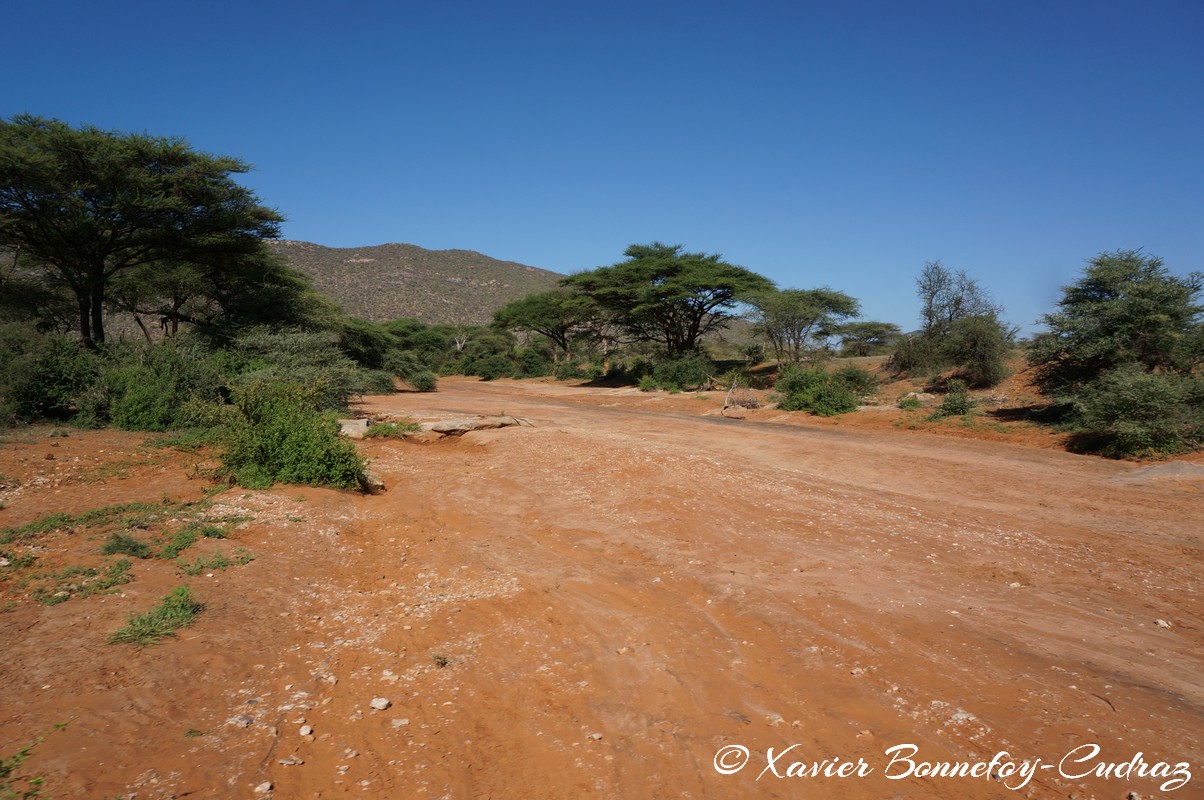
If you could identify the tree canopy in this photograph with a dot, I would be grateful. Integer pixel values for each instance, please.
(84, 206)
(559, 315)
(664, 295)
(798, 322)
(1127, 308)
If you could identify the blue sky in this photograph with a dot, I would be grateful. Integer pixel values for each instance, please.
(818, 143)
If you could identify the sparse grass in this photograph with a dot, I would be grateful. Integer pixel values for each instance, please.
(391, 430)
(126, 545)
(218, 561)
(440, 659)
(123, 516)
(16, 787)
(193, 733)
(180, 541)
(77, 581)
(177, 610)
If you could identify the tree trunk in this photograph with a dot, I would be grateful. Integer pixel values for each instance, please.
(85, 327)
(98, 313)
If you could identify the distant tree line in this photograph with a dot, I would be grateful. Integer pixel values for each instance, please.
(100, 228)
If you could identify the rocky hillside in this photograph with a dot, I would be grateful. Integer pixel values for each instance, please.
(388, 281)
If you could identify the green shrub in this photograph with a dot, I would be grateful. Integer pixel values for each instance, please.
(916, 355)
(979, 346)
(567, 371)
(684, 374)
(42, 376)
(647, 384)
(957, 400)
(1132, 412)
(909, 402)
(278, 434)
(423, 381)
(491, 367)
(309, 358)
(532, 364)
(147, 388)
(815, 390)
(857, 380)
(391, 430)
(126, 545)
(177, 610)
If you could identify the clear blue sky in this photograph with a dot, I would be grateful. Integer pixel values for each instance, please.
(818, 143)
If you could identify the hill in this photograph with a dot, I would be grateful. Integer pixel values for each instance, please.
(380, 283)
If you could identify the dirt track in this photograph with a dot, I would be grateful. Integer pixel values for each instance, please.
(596, 605)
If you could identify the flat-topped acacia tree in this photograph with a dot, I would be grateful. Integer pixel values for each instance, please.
(661, 294)
(85, 205)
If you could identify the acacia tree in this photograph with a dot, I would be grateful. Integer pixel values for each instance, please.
(867, 338)
(560, 315)
(947, 296)
(661, 294)
(85, 205)
(1126, 309)
(797, 322)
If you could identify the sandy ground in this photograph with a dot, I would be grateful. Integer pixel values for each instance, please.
(625, 600)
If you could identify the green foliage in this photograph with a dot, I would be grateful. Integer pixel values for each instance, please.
(663, 295)
(311, 358)
(798, 322)
(1125, 309)
(559, 315)
(148, 388)
(180, 541)
(391, 430)
(961, 328)
(17, 787)
(177, 610)
(491, 367)
(647, 384)
(423, 381)
(957, 400)
(42, 376)
(217, 561)
(867, 338)
(858, 381)
(909, 402)
(278, 433)
(979, 346)
(1131, 412)
(683, 374)
(124, 544)
(88, 206)
(815, 390)
(81, 582)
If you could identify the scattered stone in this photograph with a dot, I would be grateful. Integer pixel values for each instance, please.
(241, 721)
(373, 484)
(400, 723)
(595, 736)
(353, 428)
(263, 788)
(774, 718)
(1015, 585)
(961, 716)
(380, 703)
(4, 562)
(457, 427)
(735, 412)
(307, 730)
(1161, 623)
(291, 761)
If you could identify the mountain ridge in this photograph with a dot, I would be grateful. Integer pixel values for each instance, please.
(387, 281)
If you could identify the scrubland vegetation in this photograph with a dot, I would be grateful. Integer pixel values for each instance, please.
(137, 291)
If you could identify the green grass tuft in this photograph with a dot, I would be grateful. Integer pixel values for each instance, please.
(177, 610)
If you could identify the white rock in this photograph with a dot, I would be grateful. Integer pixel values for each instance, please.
(380, 703)
(400, 723)
(263, 788)
(1161, 623)
(307, 730)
